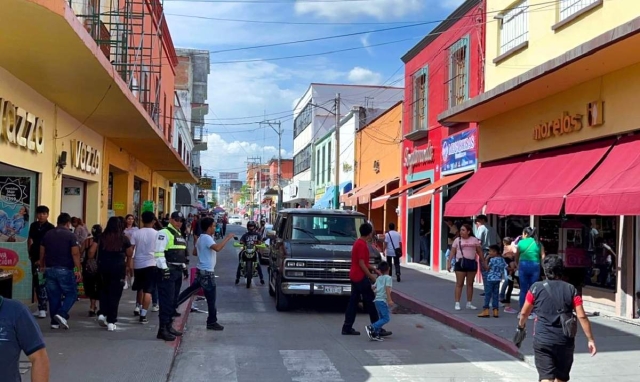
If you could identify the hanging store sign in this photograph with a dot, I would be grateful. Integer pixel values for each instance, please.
(459, 152)
(85, 158)
(412, 159)
(21, 128)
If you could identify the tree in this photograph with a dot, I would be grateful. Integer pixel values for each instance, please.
(245, 194)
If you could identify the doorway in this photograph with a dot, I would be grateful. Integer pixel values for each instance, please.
(74, 197)
(420, 235)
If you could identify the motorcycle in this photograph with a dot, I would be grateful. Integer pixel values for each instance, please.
(218, 233)
(249, 260)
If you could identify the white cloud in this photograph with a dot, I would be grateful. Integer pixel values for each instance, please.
(364, 40)
(379, 9)
(364, 76)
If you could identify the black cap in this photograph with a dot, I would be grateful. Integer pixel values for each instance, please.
(177, 215)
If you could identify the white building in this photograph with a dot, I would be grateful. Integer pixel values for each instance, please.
(314, 117)
(182, 141)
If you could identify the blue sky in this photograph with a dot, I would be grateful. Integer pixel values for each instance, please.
(246, 89)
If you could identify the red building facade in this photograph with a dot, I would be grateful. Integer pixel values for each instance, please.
(441, 71)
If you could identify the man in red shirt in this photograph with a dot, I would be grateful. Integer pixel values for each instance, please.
(361, 279)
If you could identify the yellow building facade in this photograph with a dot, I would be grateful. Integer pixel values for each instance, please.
(73, 136)
(559, 135)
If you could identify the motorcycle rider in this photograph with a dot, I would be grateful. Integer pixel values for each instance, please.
(261, 230)
(252, 236)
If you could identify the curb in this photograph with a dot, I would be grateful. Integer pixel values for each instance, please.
(180, 324)
(459, 324)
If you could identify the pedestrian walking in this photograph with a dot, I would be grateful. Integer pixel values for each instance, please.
(90, 277)
(60, 260)
(559, 309)
(81, 232)
(20, 333)
(115, 254)
(393, 249)
(382, 301)
(466, 249)
(528, 255)
(225, 221)
(170, 254)
(361, 277)
(144, 265)
(509, 256)
(207, 249)
(37, 230)
(494, 266)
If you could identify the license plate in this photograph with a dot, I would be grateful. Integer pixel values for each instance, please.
(333, 289)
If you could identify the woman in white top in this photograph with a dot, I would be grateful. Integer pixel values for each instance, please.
(393, 244)
(466, 249)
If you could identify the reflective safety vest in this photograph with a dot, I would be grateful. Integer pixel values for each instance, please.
(176, 250)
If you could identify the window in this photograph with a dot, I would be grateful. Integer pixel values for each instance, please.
(326, 228)
(514, 29)
(303, 119)
(459, 72)
(302, 160)
(420, 89)
(569, 8)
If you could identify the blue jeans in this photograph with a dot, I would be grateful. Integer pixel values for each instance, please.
(383, 313)
(62, 291)
(491, 292)
(529, 273)
(207, 281)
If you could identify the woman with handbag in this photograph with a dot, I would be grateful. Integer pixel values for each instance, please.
(393, 249)
(90, 270)
(466, 249)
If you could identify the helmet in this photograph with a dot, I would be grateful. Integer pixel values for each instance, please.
(251, 225)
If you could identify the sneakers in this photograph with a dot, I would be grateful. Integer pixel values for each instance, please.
(470, 307)
(143, 320)
(215, 326)
(398, 277)
(111, 327)
(510, 310)
(40, 314)
(102, 321)
(54, 326)
(62, 321)
(385, 333)
(350, 332)
(155, 308)
(136, 311)
(457, 306)
(372, 334)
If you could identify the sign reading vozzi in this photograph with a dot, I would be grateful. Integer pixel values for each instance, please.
(20, 128)
(85, 158)
(459, 152)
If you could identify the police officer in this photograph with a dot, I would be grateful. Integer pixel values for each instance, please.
(170, 254)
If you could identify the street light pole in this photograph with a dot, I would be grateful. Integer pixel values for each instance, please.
(336, 190)
(279, 132)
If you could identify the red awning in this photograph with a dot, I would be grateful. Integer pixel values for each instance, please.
(544, 180)
(423, 197)
(363, 194)
(381, 200)
(471, 197)
(614, 187)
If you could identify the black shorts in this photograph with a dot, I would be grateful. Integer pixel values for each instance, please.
(553, 361)
(472, 266)
(144, 279)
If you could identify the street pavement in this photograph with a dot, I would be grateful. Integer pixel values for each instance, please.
(618, 341)
(305, 345)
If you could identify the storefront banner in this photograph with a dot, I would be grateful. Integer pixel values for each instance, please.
(459, 152)
(16, 213)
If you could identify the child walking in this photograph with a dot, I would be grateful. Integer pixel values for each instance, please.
(495, 266)
(382, 289)
(509, 256)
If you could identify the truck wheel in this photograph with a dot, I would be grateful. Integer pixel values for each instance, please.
(272, 292)
(282, 300)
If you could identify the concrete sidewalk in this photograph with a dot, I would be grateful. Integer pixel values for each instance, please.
(432, 294)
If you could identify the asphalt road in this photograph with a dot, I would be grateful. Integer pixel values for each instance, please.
(305, 345)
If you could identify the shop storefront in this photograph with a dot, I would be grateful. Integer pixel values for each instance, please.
(566, 162)
(325, 197)
(46, 158)
(298, 194)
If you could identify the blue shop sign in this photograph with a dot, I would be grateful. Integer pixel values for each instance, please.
(459, 153)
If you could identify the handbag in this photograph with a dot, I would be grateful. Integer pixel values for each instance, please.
(467, 265)
(91, 265)
(398, 251)
(568, 319)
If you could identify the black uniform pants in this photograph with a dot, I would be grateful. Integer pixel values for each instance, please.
(168, 292)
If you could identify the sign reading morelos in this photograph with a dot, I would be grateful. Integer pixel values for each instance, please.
(567, 123)
(84, 157)
(21, 128)
(417, 157)
(459, 152)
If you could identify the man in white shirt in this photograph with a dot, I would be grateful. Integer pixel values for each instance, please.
(393, 249)
(144, 264)
(207, 255)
